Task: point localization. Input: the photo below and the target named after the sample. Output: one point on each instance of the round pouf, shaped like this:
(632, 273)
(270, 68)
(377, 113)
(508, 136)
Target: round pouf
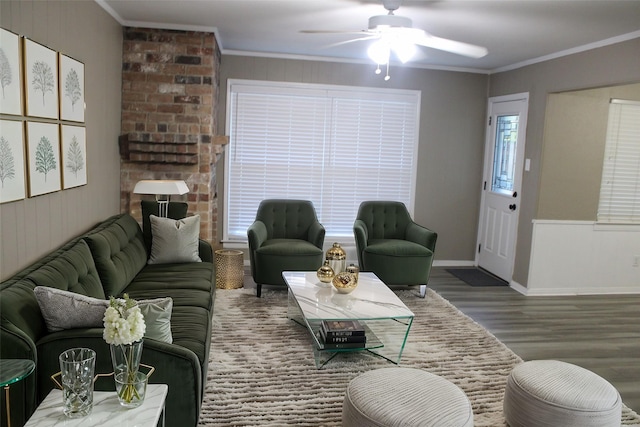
(404, 397)
(545, 393)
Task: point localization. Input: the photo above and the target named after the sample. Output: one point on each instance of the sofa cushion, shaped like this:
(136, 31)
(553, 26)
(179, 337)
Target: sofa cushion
(187, 284)
(288, 247)
(71, 270)
(174, 240)
(396, 247)
(68, 310)
(119, 253)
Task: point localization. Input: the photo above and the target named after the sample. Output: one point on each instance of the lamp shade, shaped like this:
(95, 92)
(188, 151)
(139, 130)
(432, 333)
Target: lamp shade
(161, 186)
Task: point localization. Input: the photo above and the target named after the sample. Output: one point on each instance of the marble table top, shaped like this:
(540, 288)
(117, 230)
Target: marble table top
(107, 411)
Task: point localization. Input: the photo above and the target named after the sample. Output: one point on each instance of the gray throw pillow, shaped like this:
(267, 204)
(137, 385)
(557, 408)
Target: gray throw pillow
(174, 240)
(157, 318)
(67, 310)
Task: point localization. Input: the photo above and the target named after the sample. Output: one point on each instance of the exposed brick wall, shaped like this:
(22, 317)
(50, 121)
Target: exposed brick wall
(170, 86)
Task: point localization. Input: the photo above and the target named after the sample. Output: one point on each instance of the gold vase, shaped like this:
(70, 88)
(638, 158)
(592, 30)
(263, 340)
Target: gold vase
(325, 272)
(337, 258)
(354, 270)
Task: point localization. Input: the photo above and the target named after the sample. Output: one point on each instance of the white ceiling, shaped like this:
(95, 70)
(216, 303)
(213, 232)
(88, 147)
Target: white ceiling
(515, 32)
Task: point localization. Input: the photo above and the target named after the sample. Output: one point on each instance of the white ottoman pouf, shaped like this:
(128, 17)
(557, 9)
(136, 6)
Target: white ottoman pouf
(546, 393)
(404, 397)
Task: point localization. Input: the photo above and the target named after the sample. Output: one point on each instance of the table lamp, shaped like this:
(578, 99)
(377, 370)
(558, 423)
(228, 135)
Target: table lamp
(162, 189)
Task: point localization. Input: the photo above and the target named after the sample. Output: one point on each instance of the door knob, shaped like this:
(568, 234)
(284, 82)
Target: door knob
(512, 207)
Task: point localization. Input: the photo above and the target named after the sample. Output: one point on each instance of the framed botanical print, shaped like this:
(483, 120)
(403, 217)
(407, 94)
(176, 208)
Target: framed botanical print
(71, 89)
(10, 73)
(43, 152)
(41, 80)
(12, 172)
(74, 156)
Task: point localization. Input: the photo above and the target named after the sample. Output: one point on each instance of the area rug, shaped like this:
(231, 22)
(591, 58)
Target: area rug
(262, 371)
(477, 277)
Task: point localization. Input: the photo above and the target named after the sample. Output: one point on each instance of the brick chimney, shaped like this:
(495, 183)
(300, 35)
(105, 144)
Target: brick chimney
(170, 86)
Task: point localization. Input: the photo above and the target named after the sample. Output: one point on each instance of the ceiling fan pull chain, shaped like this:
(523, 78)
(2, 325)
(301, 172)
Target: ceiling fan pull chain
(387, 77)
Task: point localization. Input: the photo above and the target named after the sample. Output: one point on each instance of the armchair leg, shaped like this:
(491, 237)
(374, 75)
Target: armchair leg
(423, 291)
(259, 290)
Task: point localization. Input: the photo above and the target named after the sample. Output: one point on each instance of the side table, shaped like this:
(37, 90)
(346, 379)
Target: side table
(229, 269)
(12, 371)
(107, 411)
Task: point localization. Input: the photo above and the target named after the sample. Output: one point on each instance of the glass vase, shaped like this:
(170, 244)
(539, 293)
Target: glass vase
(130, 384)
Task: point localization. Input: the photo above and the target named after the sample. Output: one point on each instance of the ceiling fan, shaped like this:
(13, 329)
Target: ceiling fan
(394, 33)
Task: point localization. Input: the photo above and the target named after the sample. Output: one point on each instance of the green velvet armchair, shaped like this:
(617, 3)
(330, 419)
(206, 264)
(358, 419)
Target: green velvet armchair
(286, 236)
(390, 244)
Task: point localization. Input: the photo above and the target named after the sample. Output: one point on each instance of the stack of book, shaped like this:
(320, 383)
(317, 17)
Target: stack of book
(342, 334)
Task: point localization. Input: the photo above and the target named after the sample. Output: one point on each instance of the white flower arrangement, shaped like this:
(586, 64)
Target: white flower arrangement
(123, 321)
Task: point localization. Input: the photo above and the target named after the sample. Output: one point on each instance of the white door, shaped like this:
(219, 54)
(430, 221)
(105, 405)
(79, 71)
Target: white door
(502, 184)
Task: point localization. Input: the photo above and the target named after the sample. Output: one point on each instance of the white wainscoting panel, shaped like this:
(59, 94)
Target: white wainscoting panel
(582, 257)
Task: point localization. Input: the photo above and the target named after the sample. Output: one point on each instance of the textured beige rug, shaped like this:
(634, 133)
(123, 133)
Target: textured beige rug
(262, 372)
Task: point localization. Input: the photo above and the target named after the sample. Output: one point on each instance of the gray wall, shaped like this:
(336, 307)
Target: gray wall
(35, 226)
(611, 65)
(453, 109)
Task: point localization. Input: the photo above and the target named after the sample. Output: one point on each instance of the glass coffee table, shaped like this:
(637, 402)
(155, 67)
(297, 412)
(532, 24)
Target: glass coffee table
(385, 318)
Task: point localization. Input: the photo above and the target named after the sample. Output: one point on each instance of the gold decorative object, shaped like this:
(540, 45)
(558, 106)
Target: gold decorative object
(325, 272)
(337, 258)
(229, 269)
(344, 282)
(353, 269)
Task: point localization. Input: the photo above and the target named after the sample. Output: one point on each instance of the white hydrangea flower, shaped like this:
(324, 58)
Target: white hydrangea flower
(123, 322)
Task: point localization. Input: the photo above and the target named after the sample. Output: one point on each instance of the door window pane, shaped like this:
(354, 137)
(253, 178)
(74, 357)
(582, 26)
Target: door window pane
(504, 154)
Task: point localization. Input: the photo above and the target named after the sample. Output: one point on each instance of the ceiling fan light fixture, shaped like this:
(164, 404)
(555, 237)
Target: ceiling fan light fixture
(379, 51)
(380, 22)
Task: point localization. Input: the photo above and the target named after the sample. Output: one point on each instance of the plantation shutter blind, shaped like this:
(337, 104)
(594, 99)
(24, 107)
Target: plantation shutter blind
(620, 188)
(333, 147)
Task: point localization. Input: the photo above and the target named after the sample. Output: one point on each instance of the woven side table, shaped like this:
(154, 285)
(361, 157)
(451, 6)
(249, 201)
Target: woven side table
(229, 269)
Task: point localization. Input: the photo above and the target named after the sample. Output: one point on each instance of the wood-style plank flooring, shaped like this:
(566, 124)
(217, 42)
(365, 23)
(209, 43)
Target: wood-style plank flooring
(598, 332)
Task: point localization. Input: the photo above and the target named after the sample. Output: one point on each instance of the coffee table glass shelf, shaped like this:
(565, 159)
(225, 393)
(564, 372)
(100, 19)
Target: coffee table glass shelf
(385, 318)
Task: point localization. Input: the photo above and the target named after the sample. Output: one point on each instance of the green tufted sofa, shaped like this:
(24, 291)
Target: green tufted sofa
(111, 259)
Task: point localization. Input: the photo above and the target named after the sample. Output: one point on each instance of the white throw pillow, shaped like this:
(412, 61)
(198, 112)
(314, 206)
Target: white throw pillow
(68, 310)
(174, 240)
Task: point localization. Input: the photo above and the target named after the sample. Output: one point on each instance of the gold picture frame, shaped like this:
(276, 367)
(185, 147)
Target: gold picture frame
(41, 80)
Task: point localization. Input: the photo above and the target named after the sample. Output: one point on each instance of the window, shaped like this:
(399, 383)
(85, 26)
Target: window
(620, 188)
(333, 145)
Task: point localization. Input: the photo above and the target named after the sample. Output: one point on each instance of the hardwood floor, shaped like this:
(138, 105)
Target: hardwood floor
(598, 332)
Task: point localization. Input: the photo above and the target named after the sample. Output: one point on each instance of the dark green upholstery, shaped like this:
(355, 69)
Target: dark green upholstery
(390, 244)
(285, 236)
(111, 259)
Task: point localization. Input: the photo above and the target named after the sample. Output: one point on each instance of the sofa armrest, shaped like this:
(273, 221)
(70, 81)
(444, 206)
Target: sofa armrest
(257, 234)
(205, 251)
(316, 234)
(421, 235)
(361, 233)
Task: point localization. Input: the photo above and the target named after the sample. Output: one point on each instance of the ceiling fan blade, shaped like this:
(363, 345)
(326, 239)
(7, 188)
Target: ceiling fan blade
(369, 37)
(333, 31)
(452, 46)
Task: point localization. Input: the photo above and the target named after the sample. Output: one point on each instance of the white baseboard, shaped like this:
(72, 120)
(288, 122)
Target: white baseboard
(453, 263)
